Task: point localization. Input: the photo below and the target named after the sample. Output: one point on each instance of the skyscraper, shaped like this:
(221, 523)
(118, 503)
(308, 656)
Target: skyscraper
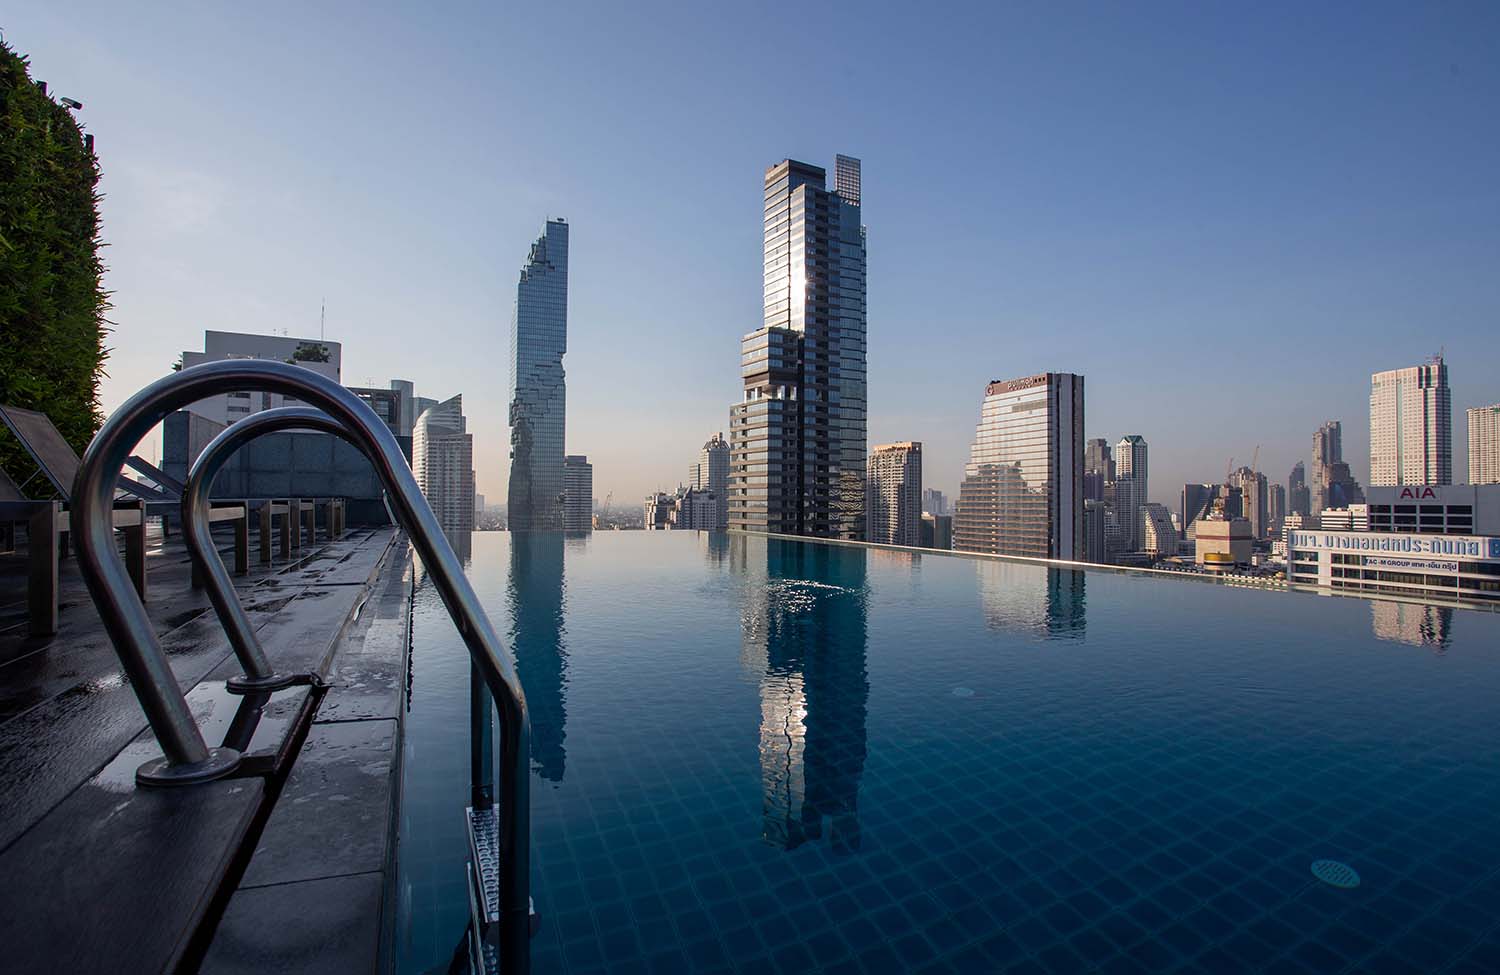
(1333, 485)
(578, 493)
(442, 457)
(1298, 498)
(1098, 468)
(1275, 508)
(1484, 444)
(894, 494)
(1158, 537)
(1022, 492)
(711, 473)
(1411, 425)
(934, 502)
(797, 438)
(538, 401)
(1254, 499)
(1130, 487)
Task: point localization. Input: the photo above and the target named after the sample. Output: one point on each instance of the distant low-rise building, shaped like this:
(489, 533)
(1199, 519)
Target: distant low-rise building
(1223, 544)
(319, 355)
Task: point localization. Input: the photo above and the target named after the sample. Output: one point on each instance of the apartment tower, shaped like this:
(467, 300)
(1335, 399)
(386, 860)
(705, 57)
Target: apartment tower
(1484, 444)
(893, 494)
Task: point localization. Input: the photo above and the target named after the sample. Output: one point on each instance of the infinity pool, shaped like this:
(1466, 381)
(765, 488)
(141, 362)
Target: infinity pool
(759, 755)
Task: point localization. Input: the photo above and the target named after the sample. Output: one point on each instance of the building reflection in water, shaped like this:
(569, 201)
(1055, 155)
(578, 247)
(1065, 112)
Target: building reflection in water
(714, 546)
(537, 634)
(463, 546)
(1413, 623)
(803, 635)
(1016, 596)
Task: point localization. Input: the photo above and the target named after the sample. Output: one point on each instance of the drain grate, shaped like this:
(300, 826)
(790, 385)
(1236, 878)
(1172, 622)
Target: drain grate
(1336, 874)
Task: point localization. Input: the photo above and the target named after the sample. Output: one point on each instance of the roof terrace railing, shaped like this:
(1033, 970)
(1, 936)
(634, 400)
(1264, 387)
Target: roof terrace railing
(186, 757)
(197, 530)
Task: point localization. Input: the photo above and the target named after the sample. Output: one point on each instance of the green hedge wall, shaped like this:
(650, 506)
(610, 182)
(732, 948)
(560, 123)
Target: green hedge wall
(52, 305)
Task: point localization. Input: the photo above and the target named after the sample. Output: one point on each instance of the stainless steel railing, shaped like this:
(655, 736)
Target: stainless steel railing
(197, 532)
(186, 757)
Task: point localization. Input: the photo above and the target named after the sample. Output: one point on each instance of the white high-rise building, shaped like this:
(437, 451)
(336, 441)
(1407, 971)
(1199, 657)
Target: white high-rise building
(442, 454)
(1484, 444)
(319, 355)
(893, 494)
(578, 493)
(1411, 425)
(1130, 487)
(711, 473)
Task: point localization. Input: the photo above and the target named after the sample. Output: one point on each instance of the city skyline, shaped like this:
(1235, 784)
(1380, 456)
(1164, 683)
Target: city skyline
(1365, 241)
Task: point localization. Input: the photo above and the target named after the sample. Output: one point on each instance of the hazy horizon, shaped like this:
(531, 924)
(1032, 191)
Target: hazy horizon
(1224, 219)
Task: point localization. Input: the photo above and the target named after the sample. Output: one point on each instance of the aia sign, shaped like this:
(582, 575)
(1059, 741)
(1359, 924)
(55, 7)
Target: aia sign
(1417, 493)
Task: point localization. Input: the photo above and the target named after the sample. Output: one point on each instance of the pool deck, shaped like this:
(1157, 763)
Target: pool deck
(284, 867)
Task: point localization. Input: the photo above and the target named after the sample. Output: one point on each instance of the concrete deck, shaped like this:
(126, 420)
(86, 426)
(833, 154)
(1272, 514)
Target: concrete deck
(282, 868)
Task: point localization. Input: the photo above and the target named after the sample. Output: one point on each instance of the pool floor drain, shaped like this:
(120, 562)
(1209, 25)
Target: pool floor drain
(963, 692)
(1335, 874)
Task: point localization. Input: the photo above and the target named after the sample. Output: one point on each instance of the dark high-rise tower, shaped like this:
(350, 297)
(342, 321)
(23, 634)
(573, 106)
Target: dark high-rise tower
(538, 400)
(798, 437)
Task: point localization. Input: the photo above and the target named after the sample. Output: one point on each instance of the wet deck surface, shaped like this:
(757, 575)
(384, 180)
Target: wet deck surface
(269, 871)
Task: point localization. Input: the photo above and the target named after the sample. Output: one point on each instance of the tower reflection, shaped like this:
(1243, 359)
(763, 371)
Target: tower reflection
(804, 632)
(537, 634)
(1014, 596)
(1419, 625)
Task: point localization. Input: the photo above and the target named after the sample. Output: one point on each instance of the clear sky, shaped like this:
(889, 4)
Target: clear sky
(1224, 216)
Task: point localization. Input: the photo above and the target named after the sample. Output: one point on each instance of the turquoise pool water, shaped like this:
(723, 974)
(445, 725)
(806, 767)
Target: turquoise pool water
(760, 755)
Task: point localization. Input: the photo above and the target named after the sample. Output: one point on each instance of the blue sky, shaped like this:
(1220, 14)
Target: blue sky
(1224, 216)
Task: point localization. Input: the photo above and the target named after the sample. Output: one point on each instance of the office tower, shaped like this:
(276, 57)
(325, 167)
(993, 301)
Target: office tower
(1095, 539)
(1253, 499)
(443, 462)
(320, 356)
(1484, 445)
(711, 474)
(1158, 537)
(538, 339)
(1411, 425)
(385, 402)
(1022, 492)
(936, 531)
(934, 502)
(578, 493)
(797, 438)
(1298, 498)
(893, 495)
(1130, 487)
(1197, 499)
(1275, 508)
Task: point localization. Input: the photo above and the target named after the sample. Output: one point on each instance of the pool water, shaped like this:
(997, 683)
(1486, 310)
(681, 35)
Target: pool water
(760, 755)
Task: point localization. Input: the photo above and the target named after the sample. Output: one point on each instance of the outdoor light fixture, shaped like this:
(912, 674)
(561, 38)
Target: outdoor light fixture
(72, 103)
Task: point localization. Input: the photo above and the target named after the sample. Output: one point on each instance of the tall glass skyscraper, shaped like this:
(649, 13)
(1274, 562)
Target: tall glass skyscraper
(798, 437)
(538, 400)
(1022, 492)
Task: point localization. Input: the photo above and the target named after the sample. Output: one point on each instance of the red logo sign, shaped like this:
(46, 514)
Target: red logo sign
(1420, 493)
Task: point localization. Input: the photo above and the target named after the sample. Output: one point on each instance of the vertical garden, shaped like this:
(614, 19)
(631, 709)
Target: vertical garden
(52, 303)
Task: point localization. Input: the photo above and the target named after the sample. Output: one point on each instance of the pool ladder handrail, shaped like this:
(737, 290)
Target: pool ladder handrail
(197, 532)
(187, 758)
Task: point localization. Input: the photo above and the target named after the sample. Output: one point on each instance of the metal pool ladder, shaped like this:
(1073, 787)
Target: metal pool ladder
(186, 757)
